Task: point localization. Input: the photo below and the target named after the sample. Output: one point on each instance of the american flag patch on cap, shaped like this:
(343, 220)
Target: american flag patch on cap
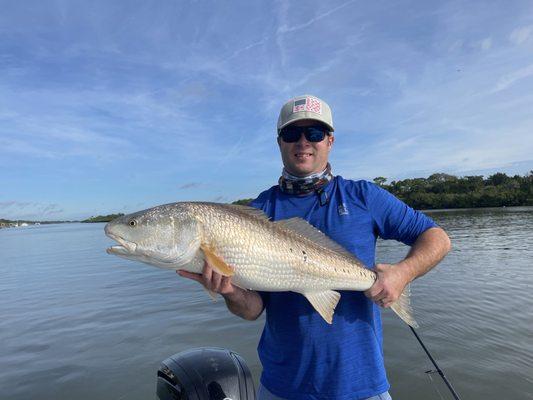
(310, 104)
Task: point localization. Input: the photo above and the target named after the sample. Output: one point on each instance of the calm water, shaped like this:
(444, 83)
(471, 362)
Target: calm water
(78, 323)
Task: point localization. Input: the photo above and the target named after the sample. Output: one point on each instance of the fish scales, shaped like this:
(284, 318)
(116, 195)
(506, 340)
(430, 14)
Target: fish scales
(277, 252)
(241, 242)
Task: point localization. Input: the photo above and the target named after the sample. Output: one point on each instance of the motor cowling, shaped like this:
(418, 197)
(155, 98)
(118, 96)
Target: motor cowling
(207, 373)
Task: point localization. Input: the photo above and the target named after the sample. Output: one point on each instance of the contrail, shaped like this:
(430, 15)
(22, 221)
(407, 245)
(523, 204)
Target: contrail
(283, 30)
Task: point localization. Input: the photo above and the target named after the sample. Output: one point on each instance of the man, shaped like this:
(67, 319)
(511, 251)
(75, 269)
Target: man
(302, 356)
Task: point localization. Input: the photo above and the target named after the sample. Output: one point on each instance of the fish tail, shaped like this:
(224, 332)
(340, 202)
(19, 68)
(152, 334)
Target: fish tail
(402, 307)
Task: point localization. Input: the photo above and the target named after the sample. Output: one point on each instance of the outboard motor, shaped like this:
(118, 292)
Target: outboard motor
(207, 373)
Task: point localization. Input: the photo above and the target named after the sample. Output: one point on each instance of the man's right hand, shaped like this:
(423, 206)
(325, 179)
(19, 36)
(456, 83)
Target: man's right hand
(244, 303)
(211, 280)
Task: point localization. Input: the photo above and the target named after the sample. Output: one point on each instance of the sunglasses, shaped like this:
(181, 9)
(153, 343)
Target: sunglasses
(291, 134)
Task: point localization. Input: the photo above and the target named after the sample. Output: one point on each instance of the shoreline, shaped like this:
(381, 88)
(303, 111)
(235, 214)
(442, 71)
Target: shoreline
(20, 223)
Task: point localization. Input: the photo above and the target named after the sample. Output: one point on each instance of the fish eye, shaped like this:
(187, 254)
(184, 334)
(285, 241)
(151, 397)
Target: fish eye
(133, 222)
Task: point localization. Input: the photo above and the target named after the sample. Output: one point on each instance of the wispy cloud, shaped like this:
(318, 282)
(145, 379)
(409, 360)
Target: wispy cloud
(486, 43)
(521, 35)
(250, 46)
(105, 105)
(287, 29)
(27, 210)
(191, 185)
(11, 203)
(511, 79)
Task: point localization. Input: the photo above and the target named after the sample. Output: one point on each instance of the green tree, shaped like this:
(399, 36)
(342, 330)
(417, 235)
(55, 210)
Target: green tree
(243, 202)
(380, 180)
(442, 190)
(498, 178)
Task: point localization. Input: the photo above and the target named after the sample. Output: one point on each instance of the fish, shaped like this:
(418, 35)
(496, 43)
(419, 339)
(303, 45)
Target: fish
(241, 242)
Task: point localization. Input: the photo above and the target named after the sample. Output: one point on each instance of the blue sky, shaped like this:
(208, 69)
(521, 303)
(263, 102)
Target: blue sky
(115, 106)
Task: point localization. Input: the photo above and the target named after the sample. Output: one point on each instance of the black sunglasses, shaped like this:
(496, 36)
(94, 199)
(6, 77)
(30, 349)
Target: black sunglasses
(291, 134)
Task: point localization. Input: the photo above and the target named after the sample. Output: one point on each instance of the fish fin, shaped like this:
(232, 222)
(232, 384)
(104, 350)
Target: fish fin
(218, 264)
(324, 303)
(240, 286)
(252, 211)
(212, 294)
(402, 307)
(305, 229)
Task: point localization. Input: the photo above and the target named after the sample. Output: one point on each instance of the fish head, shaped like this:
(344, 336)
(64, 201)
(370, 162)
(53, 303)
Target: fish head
(165, 236)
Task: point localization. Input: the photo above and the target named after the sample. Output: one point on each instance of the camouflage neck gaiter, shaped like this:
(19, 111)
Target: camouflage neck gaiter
(291, 184)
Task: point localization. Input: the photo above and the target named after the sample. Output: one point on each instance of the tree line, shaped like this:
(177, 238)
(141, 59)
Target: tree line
(103, 218)
(434, 192)
(448, 191)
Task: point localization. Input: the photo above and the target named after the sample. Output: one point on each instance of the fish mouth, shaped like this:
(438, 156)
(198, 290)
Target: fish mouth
(123, 247)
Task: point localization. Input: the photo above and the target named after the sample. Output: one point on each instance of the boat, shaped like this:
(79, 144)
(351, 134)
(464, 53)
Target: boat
(205, 373)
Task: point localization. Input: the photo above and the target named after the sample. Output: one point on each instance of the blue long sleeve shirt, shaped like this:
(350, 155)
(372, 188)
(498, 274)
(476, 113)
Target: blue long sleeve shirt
(303, 357)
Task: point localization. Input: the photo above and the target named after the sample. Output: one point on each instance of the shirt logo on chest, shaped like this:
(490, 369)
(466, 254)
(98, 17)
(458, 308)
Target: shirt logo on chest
(342, 209)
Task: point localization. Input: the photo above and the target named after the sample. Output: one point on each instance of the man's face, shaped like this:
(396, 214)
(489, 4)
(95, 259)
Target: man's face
(303, 158)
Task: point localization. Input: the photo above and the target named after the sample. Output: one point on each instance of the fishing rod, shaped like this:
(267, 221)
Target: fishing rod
(441, 373)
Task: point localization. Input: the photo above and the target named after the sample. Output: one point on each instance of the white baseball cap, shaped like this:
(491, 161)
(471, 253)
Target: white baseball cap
(305, 107)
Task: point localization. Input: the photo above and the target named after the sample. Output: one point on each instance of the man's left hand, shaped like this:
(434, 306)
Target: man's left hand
(389, 285)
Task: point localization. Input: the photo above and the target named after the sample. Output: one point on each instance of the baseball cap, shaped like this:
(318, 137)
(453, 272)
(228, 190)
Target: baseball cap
(305, 107)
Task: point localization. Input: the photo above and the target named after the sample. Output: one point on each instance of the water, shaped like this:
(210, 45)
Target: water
(78, 323)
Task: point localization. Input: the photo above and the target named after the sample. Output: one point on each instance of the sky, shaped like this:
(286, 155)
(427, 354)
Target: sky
(117, 106)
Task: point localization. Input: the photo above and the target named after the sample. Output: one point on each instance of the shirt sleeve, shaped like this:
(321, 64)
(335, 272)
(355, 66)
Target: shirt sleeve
(393, 218)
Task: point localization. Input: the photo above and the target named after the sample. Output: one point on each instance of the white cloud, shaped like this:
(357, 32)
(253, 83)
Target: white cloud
(510, 79)
(486, 44)
(238, 52)
(14, 210)
(127, 98)
(521, 35)
(286, 29)
(23, 148)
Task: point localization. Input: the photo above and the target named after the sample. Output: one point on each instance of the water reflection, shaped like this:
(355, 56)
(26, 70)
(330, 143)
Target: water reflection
(75, 320)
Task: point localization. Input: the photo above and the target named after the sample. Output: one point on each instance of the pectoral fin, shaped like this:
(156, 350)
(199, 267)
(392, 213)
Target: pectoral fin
(324, 303)
(402, 307)
(217, 262)
(212, 294)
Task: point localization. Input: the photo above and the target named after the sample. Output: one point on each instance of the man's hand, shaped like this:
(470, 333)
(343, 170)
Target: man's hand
(427, 251)
(211, 280)
(244, 303)
(389, 285)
